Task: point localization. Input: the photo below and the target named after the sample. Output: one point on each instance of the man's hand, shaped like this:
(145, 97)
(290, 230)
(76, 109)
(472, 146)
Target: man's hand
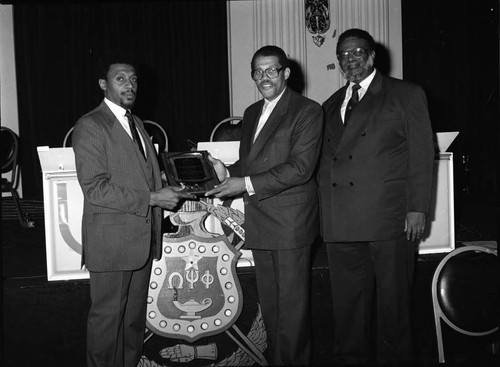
(219, 167)
(414, 225)
(169, 197)
(231, 186)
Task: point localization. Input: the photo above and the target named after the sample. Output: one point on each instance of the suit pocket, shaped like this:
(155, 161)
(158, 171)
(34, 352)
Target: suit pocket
(110, 218)
(389, 115)
(292, 199)
(395, 195)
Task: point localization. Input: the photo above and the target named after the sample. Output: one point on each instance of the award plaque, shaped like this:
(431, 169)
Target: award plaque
(192, 170)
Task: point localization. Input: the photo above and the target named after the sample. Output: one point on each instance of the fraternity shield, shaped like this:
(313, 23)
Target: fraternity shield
(193, 291)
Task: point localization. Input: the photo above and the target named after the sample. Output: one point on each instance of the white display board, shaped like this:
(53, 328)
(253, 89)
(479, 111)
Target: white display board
(440, 232)
(63, 208)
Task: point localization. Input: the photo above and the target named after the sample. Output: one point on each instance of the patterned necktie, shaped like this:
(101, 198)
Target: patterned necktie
(352, 102)
(135, 134)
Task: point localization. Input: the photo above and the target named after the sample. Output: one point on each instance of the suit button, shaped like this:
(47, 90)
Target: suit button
(334, 184)
(245, 202)
(351, 183)
(266, 159)
(148, 221)
(363, 133)
(334, 159)
(350, 156)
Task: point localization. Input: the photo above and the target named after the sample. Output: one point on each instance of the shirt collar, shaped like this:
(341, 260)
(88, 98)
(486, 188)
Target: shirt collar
(117, 110)
(274, 101)
(365, 83)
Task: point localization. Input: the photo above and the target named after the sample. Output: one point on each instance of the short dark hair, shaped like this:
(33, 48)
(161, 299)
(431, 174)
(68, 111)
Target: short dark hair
(114, 57)
(356, 33)
(271, 50)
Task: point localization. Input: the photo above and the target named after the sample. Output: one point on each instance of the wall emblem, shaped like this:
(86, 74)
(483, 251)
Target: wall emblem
(317, 19)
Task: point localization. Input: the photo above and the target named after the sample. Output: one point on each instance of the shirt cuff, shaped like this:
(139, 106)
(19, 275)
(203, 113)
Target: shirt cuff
(249, 186)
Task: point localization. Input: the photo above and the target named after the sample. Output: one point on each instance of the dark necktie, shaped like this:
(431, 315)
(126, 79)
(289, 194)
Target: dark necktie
(352, 102)
(135, 134)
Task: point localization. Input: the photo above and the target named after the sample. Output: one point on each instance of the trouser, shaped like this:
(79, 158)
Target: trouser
(365, 275)
(117, 317)
(283, 283)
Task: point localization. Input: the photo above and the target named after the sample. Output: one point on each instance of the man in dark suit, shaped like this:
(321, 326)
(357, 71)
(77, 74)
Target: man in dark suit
(279, 147)
(121, 227)
(375, 180)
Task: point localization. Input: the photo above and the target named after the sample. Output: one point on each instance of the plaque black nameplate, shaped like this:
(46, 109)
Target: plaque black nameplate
(192, 170)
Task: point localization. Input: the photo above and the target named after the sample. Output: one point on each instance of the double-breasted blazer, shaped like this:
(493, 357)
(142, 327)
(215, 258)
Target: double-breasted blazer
(378, 168)
(283, 213)
(119, 228)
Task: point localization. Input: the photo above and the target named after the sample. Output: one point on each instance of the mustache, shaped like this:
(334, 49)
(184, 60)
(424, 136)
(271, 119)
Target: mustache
(265, 82)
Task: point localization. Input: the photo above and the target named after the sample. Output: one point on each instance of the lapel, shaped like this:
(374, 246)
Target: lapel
(148, 166)
(250, 121)
(361, 118)
(126, 143)
(337, 125)
(270, 126)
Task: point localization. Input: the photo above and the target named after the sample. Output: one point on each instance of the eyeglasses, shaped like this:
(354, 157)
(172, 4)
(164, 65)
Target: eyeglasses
(357, 53)
(271, 73)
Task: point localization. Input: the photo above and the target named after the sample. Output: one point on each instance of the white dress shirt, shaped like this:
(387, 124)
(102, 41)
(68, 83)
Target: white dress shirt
(119, 113)
(266, 112)
(361, 92)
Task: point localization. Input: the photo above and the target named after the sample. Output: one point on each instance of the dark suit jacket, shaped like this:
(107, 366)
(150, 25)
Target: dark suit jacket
(119, 228)
(283, 213)
(380, 166)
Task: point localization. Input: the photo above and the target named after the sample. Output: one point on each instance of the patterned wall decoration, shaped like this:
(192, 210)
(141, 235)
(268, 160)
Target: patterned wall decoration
(317, 19)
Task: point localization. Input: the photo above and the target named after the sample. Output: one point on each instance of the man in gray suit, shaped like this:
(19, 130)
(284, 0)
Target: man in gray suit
(279, 148)
(119, 175)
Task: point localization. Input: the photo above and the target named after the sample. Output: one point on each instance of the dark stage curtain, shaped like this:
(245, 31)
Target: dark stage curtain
(181, 48)
(454, 55)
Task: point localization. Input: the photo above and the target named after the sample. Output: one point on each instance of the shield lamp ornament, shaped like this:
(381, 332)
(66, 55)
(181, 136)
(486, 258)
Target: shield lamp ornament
(317, 13)
(193, 291)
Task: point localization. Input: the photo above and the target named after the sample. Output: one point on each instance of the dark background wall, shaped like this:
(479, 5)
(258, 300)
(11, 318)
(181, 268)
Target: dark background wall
(180, 46)
(451, 48)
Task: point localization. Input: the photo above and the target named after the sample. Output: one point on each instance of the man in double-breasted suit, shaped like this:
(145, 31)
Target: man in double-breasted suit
(121, 227)
(279, 147)
(375, 180)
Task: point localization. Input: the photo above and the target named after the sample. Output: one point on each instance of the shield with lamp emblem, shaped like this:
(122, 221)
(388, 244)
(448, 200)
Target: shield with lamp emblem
(194, 291)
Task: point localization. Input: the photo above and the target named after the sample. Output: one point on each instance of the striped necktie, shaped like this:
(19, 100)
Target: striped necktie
(135, 135)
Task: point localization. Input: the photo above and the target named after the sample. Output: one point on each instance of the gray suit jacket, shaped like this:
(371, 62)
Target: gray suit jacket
(119, 228)
(283, 213)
